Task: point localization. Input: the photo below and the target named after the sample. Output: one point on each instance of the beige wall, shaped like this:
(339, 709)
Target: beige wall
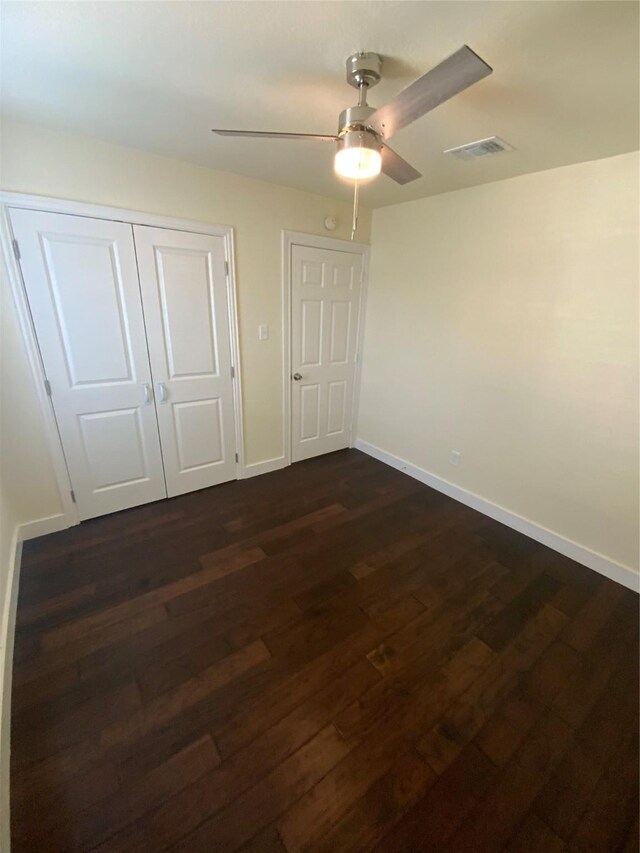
(7, 555)
(9, 520)
(28, 491)
(26, 471)
(35, 160)
(502, 322)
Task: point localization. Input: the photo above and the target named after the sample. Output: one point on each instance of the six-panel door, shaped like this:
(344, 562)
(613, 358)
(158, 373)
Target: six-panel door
(325, 303)
(184, 292)
(82, 285)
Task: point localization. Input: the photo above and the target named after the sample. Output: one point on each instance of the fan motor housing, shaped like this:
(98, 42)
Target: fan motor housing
(354, 117)
(359, 137)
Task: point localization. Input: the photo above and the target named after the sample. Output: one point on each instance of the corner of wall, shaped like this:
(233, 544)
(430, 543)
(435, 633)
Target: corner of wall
(617, 572)
(11, 557)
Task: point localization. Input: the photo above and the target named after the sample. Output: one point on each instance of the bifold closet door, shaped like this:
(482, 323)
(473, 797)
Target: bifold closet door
(82, 286)
(184, 293)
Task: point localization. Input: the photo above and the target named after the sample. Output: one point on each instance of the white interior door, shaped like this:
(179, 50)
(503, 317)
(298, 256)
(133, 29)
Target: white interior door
(184, 292)
(325, 305)
(82, 286)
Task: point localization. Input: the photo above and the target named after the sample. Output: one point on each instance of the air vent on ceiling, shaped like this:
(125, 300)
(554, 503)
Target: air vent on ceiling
(481, 148)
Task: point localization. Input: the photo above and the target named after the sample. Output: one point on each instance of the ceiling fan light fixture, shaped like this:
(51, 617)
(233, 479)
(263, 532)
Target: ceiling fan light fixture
(358, 163)
(358, 156)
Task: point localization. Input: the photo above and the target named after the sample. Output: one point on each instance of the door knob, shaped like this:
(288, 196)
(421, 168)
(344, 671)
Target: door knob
(297, 376)
(147, 393)
(162, 391)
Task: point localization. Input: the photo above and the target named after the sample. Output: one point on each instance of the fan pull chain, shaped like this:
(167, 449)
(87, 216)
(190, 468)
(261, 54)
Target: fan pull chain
(354, 221)
(356, 186)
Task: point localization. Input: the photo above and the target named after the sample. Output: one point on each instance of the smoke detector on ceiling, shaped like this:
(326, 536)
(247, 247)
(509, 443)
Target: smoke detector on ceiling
(481, 148)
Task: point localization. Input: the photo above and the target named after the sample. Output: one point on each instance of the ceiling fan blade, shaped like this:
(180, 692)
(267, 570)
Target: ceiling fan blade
(268, 135)
(459, 71)
(396, 168)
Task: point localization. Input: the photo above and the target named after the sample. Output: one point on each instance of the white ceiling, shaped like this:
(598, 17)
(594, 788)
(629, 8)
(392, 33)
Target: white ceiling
(159, 75)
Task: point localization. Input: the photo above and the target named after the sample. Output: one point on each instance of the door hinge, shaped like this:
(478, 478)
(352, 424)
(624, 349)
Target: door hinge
(73, 496)
(226, 268)
(47, 387)
(16, 249)
(233, 372)
(236, 457)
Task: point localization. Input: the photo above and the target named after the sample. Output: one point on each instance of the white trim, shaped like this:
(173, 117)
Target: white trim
(591, 559)
(7, 636)
(266, 467)
(357, 378)
(42, 526)
(319, 241)
(232, 293)
(47, 204)
(73, 208)
(287, 238)
(315, 241)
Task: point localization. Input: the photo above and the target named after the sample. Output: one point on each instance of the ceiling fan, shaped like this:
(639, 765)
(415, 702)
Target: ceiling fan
(363, 131)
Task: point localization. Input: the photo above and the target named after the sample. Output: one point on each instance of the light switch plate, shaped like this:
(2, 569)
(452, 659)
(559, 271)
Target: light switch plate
(263, 332)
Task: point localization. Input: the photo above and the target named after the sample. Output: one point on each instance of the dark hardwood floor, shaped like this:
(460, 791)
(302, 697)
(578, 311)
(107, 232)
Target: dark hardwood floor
(331, 657)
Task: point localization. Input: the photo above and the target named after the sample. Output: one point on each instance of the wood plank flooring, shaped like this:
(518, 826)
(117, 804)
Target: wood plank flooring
(332, 657)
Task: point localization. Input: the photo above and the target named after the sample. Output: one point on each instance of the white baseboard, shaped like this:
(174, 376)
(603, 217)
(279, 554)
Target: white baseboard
(7, 632)
(265, 467)
(42, 526)
(614, 571)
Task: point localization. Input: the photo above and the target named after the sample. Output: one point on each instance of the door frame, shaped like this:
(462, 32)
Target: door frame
(8, 200)
(315, 241)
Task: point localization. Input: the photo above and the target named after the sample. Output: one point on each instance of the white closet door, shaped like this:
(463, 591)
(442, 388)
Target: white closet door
(184, 291)
(325, 303)
(82, 285)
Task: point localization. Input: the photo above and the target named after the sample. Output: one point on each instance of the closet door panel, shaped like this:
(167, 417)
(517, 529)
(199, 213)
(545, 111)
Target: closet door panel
(82, 287)
(184, 292)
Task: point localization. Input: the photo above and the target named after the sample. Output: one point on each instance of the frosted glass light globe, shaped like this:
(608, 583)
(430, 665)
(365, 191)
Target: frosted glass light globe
(358, 163)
